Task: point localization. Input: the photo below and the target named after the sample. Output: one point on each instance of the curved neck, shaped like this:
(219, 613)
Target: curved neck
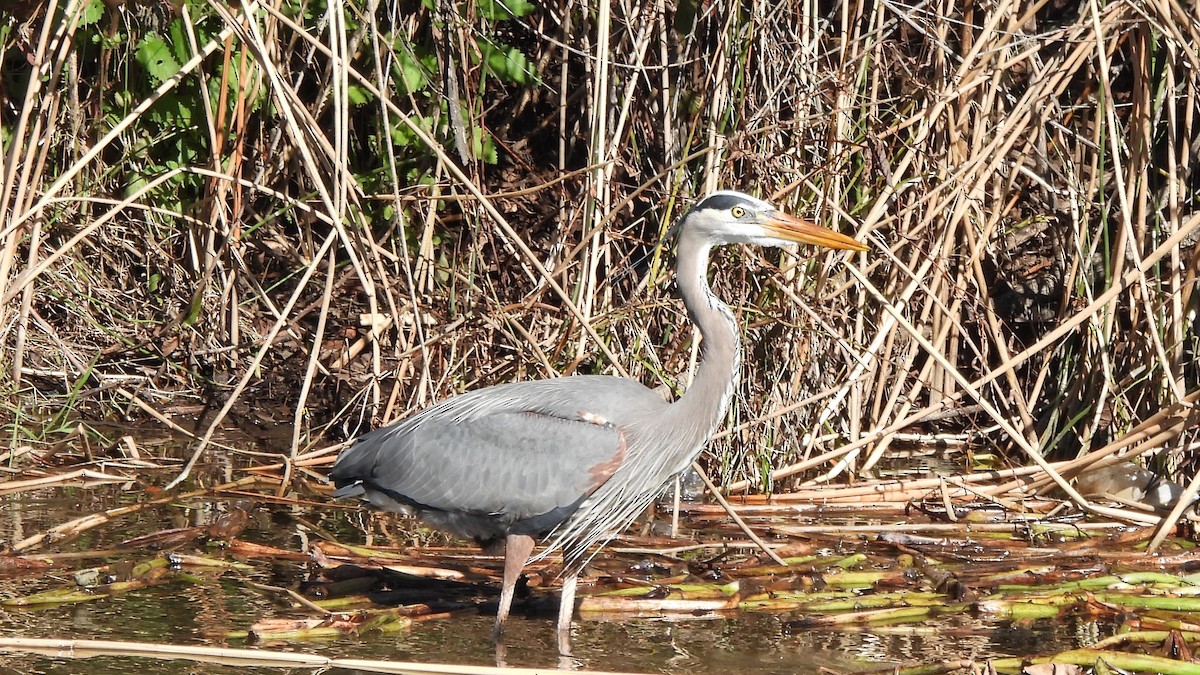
(704, 403)
(661, 444)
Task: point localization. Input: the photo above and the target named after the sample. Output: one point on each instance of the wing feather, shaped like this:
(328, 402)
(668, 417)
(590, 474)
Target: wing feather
(511, 452)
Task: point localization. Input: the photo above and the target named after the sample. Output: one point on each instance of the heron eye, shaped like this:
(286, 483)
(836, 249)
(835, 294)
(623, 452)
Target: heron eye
(738, 212)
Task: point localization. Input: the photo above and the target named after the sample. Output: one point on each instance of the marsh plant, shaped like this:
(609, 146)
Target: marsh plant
(334, 211)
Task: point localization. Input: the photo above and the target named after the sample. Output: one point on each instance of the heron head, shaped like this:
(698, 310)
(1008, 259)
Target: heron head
(729, 217)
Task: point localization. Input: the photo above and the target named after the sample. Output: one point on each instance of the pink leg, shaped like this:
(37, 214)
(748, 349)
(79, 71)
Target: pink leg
(517, 548)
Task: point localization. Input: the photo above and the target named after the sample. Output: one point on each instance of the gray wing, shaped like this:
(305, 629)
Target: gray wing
(513, 453)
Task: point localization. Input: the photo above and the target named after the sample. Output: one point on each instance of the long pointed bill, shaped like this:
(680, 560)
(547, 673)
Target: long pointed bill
(790, 228)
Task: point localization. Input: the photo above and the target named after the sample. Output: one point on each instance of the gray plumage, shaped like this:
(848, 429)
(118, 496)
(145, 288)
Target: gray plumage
(513, 458)
(574, 458)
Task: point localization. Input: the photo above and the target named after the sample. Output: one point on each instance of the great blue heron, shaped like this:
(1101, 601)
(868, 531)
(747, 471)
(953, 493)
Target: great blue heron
(576, 458)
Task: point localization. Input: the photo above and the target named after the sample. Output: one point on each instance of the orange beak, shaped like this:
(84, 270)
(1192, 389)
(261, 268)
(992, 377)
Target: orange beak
(790, 228)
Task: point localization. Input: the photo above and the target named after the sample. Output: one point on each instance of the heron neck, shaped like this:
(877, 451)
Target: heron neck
(704, 403)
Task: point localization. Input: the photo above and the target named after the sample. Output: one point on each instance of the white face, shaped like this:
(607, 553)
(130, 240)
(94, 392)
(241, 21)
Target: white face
(731, 217)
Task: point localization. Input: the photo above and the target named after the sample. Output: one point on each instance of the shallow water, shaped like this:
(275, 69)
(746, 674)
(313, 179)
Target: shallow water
(205, 612)
(745, 644)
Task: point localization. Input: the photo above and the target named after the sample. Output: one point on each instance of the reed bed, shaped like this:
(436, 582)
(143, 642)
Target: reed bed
(329, 213)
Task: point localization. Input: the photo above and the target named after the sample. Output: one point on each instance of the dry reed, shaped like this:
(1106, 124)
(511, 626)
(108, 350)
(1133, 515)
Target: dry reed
(374, 214)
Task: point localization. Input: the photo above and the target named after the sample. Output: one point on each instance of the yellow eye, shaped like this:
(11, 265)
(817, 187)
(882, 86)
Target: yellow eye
(738, 212)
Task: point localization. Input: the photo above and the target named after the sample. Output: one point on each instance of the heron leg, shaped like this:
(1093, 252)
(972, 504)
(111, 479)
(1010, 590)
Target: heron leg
(565, 610)
(517, 548)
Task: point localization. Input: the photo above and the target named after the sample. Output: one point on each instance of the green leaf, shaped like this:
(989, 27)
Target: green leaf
(411, 69)
(483, 145)
(179, 41)
(404, 137)
(412, 78)
(359, 94)
(136, 182)
(155, 56)
(174, 111)
(92, 13)
(502, 10)
(507, 63)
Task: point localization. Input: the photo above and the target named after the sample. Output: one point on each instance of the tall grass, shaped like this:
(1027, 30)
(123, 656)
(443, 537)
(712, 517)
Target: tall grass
(348, 210)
